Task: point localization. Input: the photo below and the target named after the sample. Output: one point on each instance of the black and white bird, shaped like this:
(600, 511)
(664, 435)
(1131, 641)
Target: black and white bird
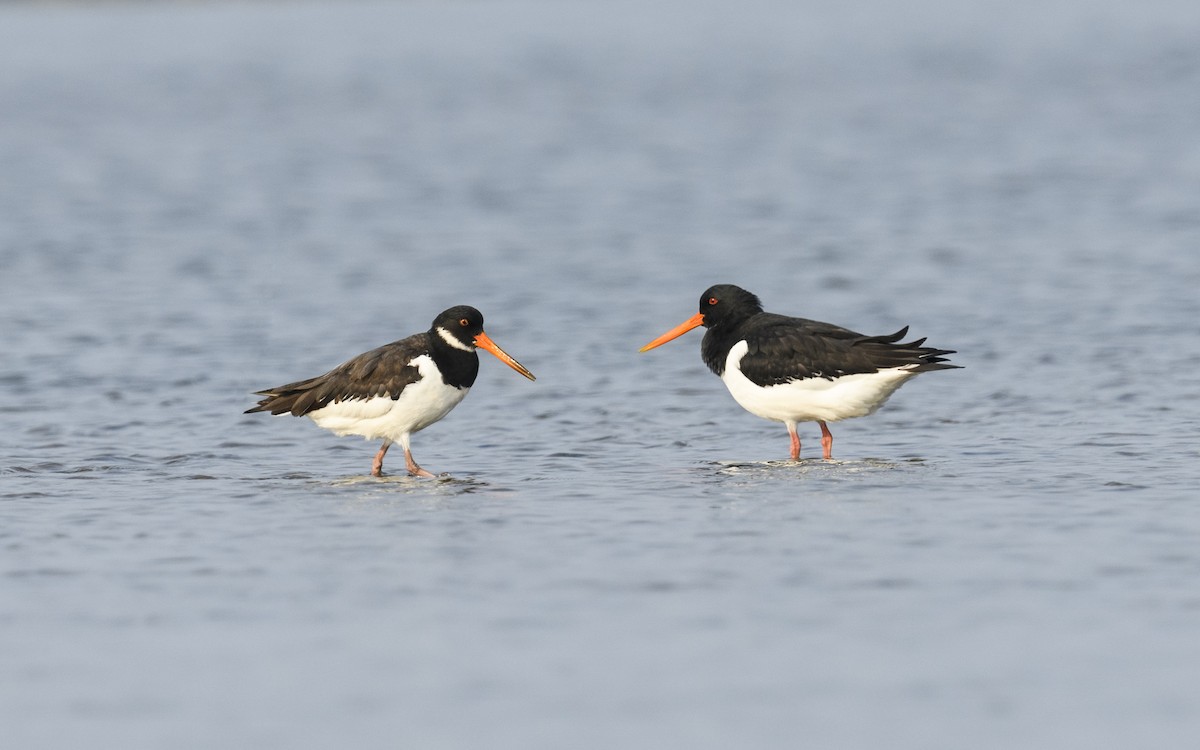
(795, 370)
(395, 390)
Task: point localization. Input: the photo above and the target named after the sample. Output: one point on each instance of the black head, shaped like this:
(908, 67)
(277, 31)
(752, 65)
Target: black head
(461, 324)
(461, 327)
(721, 306)
(726, 304)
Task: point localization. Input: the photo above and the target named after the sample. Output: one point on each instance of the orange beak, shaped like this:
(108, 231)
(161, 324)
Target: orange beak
(695, 321)
(483, 342)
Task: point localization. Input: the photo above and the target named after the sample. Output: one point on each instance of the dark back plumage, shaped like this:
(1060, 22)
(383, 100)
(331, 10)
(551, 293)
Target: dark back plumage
(782, 348)
(386, 370)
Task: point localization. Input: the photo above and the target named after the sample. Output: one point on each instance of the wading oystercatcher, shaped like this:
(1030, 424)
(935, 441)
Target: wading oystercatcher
(794, 370)
(397, 389)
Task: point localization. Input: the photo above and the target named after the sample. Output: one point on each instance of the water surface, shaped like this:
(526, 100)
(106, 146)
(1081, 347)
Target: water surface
(203, 200)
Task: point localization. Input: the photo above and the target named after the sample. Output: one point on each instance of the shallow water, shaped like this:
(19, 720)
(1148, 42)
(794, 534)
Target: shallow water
(201, 201)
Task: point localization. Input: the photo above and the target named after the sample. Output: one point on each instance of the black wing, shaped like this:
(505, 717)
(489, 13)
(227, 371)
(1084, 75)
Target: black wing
(783, 349)
(380, 372)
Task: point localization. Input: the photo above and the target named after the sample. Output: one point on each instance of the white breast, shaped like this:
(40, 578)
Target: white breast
(420, 404)
(811, 399)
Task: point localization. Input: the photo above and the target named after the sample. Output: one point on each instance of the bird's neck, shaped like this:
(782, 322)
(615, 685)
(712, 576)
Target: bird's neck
(459, 368)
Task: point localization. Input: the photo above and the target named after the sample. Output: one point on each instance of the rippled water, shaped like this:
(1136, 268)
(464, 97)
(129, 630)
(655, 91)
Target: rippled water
(200, 201)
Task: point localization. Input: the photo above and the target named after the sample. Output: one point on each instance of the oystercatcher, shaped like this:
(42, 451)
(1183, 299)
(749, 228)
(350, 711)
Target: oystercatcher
(397, 389)
(794, 370)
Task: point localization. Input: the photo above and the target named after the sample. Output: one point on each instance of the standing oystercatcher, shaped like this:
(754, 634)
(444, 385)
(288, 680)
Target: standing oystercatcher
(796, 370)
(397, 389)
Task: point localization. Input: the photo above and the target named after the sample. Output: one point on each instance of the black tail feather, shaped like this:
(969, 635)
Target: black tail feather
(887, 351)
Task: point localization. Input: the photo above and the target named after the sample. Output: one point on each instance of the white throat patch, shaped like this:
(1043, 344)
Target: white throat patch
(453, 341)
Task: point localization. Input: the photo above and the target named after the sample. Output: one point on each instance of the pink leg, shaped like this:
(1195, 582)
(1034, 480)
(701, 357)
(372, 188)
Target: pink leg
(795, 441)
(826, 441)
(413, 469)
(377, 466)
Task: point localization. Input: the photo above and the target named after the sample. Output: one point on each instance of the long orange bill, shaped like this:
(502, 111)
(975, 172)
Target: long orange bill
(483, 342)
(695, 321)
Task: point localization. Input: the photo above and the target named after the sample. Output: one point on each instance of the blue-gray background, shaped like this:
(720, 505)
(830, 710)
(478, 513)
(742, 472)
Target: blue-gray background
(197, 201)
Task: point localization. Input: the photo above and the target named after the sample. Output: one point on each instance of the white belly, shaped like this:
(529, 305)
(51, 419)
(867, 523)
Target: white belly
(420, 405)
(812, 399)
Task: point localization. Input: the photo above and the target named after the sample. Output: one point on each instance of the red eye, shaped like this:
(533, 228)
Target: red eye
(712, 301)
(464, 322)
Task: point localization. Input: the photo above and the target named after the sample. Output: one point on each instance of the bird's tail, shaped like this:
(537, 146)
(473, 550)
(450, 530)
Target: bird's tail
(913, 356)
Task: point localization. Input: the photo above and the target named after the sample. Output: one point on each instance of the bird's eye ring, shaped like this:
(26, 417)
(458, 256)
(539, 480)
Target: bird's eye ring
(464, 322)
(712, 301)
